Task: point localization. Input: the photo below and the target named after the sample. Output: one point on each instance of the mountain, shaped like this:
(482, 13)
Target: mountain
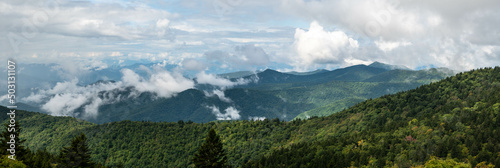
(274, 95)
(422, 76)
(452, 121)
(238, 74)
(307, 73)
(193, 105)
(387, 66)
(456, 118)
(355, 73)
(390, 81)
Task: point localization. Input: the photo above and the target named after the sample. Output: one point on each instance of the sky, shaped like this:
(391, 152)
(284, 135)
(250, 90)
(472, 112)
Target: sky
(233, 35)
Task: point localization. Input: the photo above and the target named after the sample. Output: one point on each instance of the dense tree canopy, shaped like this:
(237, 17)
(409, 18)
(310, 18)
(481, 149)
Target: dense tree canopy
(454, 121)
(210, 154)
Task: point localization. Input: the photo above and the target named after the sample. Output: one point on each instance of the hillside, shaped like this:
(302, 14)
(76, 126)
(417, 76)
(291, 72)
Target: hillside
(457, 118)
(388, 82)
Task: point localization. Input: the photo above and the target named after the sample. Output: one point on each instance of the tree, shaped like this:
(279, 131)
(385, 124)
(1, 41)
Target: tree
(6, 162)
(11, 134)
(77, 155)
(210, 154)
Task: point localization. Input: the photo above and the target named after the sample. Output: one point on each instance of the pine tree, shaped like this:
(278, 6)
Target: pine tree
(77, 155)
(5, 137)
(210, 154)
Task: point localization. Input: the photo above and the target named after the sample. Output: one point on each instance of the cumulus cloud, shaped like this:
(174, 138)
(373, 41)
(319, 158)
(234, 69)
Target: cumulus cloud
(70, 99)
(163, 83)
(318, 46)
(413, 33)
(231, 113)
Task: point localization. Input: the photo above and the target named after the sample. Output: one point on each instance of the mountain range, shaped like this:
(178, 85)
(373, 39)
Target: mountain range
(271, 94)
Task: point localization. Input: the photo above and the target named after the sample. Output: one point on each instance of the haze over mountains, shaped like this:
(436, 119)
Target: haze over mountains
(154, 94)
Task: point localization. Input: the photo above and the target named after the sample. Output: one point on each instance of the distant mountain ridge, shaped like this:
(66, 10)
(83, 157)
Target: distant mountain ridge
(274, 95)
(387, 66)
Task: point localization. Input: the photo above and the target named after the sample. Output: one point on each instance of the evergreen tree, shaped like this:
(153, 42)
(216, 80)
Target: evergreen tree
(77, 155)
(5, 138)
(210, 154)
(41, 159)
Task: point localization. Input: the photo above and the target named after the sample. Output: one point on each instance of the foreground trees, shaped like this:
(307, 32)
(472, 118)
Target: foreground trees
(210, 154)
(76, 155)
(10, 138)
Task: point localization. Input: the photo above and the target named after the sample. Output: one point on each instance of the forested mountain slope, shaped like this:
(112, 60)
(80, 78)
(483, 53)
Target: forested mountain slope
(457, 118)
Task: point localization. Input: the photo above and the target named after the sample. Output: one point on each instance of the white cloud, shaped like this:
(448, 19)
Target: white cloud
(65, 98)
(219, 93)
(387, 46)
(414, 33)
(242, 56)
(318, 46)
(163, 83)
(252, 55)
(211, 79)
(231, 113)
(192, 64)
(256, 118)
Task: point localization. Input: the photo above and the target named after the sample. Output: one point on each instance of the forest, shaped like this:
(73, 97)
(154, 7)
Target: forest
(451, 123)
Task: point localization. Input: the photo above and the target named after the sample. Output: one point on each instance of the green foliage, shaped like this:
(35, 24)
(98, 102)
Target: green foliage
(42, 159)
(6, 162)
(448, 163)
(9, 135)
(77, 155)
(456, 118)
(210, 154)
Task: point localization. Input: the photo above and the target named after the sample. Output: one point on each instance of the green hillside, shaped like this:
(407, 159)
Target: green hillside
(456, 118)
(453, 120)
(388, 82)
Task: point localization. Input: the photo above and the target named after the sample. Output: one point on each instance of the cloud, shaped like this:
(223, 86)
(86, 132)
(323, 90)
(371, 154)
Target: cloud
(318, 46)
(88, 19)
(412, 33)
(245, 55)
(214, 80)
(256, 118)
(66, 97)
(231, 113)
(192, 64)
(219, 93)
(70, 99)
(252, 55)
(162, 82)
(222, 84)
(387, 46)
